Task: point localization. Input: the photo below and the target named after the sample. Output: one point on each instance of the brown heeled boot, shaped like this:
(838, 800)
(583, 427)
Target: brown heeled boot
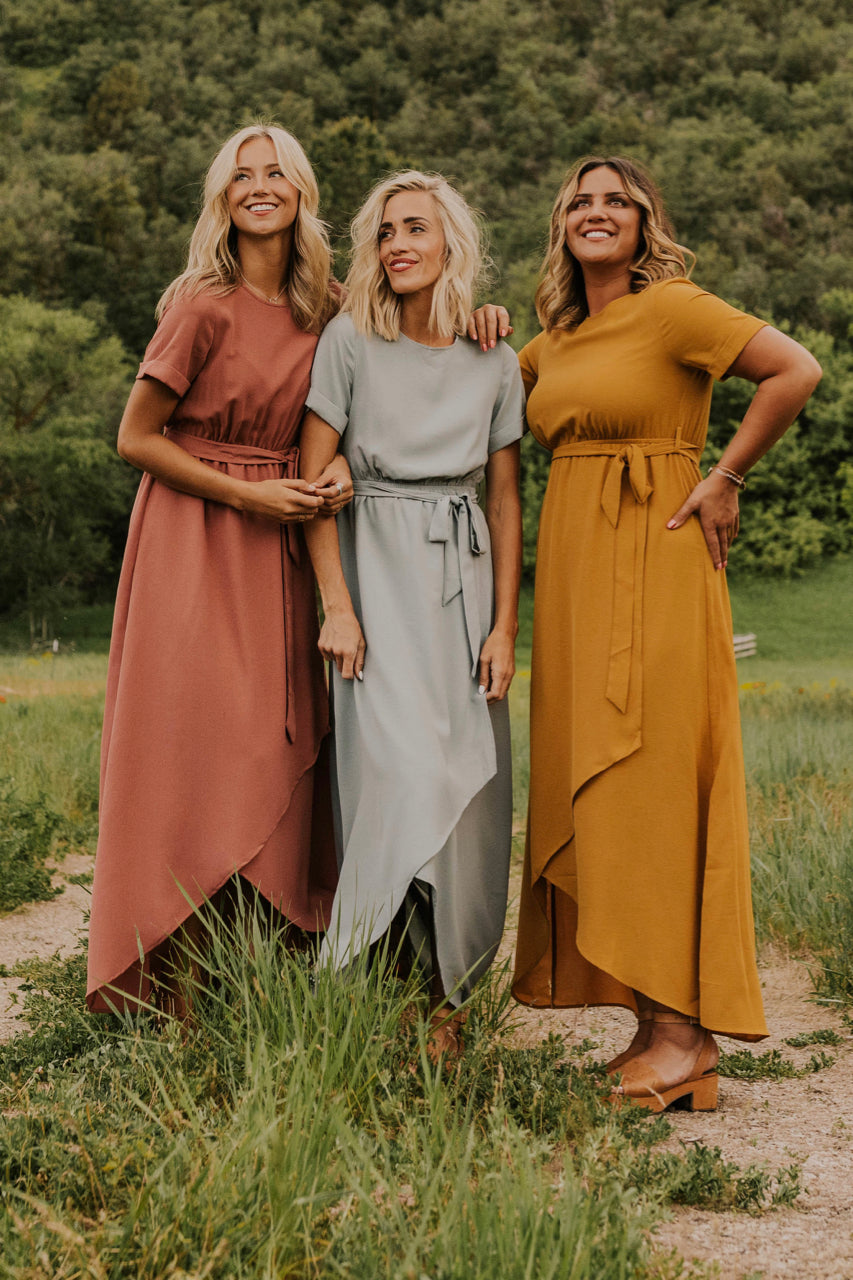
(642, 1084)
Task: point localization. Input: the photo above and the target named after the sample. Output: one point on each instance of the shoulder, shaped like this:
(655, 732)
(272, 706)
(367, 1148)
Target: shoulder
(678, 295)
(532, 350)
(340, 332)
(202, 310)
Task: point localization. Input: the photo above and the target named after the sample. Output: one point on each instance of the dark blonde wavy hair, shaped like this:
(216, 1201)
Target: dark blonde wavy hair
(561, 297)
(212, 262)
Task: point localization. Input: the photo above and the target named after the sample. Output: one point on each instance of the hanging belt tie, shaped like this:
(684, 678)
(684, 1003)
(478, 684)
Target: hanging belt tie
(627, 458)
(249, 455)
(454, 523)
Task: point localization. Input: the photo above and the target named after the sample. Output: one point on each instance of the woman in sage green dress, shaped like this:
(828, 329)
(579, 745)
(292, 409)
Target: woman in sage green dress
(419, 588)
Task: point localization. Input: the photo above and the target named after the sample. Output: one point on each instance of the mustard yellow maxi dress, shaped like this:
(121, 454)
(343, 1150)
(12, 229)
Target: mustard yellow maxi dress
(637, 864)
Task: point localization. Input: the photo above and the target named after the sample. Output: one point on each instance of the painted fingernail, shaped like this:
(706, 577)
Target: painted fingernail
(360, 675)
(670, 524)
(503, 333)
(491, 344)
(482, 689)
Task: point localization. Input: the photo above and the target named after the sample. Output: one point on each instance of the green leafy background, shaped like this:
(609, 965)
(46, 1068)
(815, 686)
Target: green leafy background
(113, 108)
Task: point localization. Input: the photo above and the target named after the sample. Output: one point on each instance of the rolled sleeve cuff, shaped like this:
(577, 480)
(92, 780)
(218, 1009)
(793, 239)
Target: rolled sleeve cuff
(324, 409)
(165, 373)
(508, 435)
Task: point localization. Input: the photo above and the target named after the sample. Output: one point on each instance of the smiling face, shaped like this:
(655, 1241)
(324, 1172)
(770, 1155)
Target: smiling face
(411, 242)
(603, 222)
(261, 201)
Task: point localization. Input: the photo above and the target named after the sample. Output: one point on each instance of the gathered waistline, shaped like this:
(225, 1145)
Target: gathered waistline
(419, 490)
(649, 448)
(248, 455)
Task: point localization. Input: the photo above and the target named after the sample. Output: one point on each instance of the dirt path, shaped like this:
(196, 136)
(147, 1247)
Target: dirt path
(773, 1123)
(39, 930)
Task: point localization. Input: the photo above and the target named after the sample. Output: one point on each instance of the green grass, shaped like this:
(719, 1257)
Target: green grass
(298, 1129)
(804, 626)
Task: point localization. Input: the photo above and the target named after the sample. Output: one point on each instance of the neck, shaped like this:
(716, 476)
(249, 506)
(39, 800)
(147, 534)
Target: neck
(603, 286)
(264, 262)
(415, 320)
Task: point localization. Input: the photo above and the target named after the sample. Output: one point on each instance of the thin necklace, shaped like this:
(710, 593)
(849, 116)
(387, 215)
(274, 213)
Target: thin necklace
(260, 292)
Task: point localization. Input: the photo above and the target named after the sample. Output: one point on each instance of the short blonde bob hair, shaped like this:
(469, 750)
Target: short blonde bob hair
(212, 262)
(561, 297)
(373, 304)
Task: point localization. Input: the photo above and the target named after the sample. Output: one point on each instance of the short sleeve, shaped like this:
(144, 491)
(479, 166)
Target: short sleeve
(330, 396)
(508, 412)
(699, 329)
(180, 346)
(528, 360)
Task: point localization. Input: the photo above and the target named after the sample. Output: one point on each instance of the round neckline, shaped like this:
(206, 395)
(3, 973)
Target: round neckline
(622, 297)
(611, 303)
(424, 346)
(284, 305)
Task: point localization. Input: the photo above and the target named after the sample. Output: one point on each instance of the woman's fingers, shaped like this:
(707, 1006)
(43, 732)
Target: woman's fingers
(487, 324)
(496, 668)
(334, 484)
(342, 642)
(715, 502)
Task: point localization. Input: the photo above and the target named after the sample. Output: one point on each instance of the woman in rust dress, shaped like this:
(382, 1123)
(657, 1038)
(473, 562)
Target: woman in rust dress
(636, 888)
(216, 705)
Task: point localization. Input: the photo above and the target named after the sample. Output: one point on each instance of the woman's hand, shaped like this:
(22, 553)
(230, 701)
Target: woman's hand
(334, 486)
(786, 375)
(342, 642)
(715, 502)
(497, 665)
(487, 324)
(287, 501)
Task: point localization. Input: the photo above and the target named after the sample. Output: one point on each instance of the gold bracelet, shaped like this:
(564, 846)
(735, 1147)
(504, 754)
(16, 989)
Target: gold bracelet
(730, 475)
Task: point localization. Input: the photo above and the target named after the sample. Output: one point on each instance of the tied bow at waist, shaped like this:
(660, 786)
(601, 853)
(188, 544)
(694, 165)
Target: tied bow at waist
(454, 523)
(250, 455)
(627, 457)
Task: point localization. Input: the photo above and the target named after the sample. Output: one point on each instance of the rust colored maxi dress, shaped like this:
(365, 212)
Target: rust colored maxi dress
(216, 703)
(637, 862)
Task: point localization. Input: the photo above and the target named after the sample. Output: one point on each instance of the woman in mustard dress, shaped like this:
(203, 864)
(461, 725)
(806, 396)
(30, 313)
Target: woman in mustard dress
(636, 888)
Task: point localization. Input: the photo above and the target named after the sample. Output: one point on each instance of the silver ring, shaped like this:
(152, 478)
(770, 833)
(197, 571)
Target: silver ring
(340, 490)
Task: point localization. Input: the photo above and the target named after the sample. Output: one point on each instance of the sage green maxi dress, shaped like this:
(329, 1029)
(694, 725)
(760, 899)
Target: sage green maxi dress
(422, 762)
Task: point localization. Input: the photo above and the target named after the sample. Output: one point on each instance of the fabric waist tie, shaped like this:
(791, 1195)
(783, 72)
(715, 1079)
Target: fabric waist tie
(626, 457)
(250, 455)
(455, 505)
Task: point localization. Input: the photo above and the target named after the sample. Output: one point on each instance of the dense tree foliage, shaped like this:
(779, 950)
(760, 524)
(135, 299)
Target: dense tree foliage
(742, 109)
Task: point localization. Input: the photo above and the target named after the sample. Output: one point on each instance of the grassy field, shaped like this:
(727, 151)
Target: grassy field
(298, 1128)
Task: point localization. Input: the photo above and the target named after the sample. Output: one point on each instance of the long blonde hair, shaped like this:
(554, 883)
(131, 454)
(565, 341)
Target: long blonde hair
(212, 260)
(561, 296)
(373, 304)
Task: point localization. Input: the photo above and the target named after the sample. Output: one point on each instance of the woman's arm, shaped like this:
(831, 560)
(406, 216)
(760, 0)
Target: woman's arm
(341, 640)
(786, 375)
(503, 514)
(142, 443)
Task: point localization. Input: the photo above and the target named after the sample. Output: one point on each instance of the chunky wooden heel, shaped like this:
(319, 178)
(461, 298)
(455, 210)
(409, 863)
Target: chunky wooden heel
(642, 1086)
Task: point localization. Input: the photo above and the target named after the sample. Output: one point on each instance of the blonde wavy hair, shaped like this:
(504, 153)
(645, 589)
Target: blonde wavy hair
(373, 304)
(561, 297)
(212, 261)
